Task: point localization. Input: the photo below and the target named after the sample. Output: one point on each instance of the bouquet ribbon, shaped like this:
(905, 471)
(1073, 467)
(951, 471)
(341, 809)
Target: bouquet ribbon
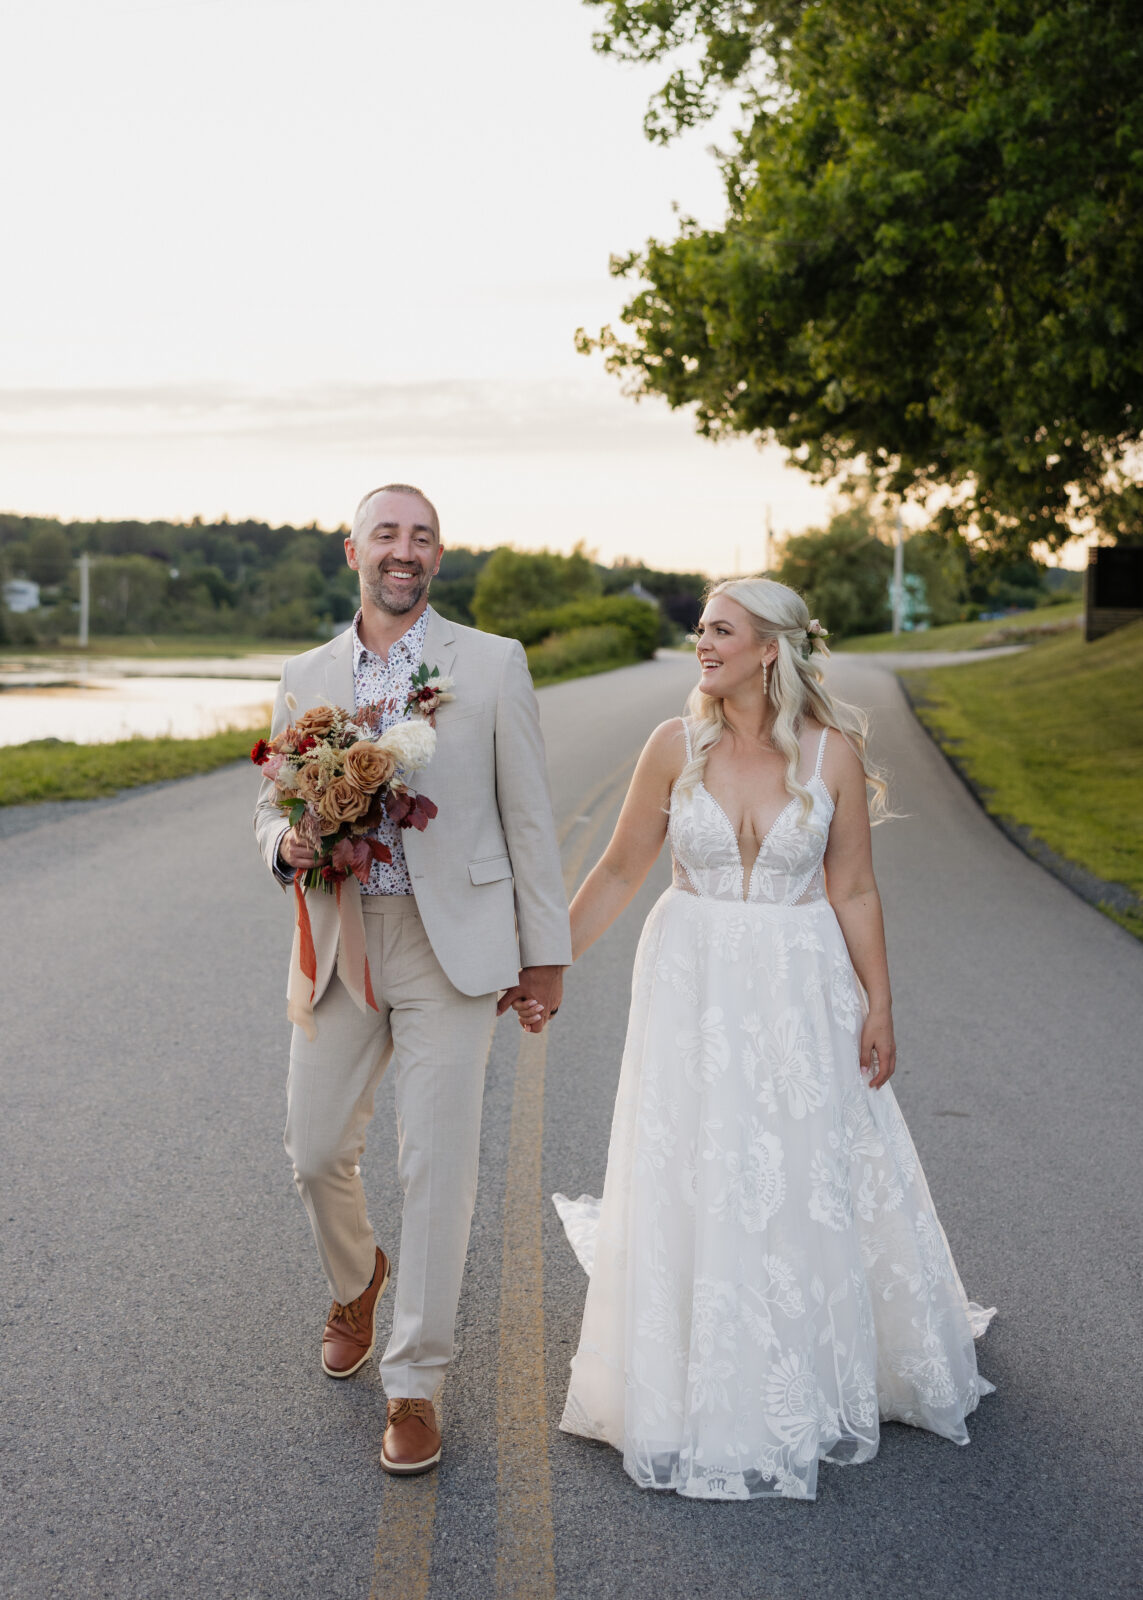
(352, 959)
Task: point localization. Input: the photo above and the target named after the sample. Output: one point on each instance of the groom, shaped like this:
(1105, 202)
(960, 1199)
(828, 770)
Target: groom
(472, 906)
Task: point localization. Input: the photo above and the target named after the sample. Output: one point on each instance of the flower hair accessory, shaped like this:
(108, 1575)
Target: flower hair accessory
(816, 637)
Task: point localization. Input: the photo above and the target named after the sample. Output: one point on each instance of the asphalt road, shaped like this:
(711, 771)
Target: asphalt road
(166, 1427)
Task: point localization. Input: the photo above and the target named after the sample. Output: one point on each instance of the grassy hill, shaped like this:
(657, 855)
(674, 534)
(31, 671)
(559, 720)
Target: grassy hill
(1053, 741)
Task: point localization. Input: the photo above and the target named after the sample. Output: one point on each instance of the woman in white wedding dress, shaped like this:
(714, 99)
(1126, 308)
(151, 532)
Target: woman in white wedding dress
(768, 1277)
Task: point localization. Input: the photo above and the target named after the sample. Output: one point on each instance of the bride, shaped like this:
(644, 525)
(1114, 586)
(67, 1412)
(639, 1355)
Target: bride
(768, 1276)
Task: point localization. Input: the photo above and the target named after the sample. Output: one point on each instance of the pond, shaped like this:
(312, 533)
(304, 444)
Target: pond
(93, 702)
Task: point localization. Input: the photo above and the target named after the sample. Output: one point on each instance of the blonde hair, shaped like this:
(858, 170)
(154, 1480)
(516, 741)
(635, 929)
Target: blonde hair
(796, 691)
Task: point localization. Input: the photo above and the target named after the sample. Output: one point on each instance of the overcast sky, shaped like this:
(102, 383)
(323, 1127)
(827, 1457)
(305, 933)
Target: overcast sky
(261, 255)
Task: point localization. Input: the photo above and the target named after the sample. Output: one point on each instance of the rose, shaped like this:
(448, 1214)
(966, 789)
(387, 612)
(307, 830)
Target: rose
(318, 722)
(367, 767)
(342, 802)
(308, 781)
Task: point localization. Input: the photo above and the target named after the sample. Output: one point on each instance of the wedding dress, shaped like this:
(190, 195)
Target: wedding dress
(767, 1274)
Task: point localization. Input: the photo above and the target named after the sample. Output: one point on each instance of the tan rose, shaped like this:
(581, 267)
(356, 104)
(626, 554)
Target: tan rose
(342, 802)
(367, 768)
(308, 781)
(317, 722)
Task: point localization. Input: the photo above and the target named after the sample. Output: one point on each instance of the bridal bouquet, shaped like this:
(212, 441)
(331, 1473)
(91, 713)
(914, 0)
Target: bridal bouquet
(337, 778)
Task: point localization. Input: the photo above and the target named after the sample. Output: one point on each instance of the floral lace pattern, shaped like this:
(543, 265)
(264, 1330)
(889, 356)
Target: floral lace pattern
(768, 1277)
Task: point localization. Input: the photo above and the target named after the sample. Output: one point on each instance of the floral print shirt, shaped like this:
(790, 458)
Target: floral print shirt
(377, 679)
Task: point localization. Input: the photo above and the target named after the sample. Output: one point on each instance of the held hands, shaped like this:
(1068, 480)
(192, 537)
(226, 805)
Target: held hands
(535, 998)
(878, 1049)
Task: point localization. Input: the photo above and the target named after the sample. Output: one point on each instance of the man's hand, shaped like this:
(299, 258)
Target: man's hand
(294, 852)
(535, 998)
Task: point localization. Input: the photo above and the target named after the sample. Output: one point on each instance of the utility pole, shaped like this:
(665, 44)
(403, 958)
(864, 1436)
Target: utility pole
(768, 546)
(898, 572)
(84, 598)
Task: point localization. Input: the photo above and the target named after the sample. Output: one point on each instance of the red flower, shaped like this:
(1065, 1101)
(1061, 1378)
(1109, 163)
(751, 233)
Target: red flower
(306, 744)
(260, 752)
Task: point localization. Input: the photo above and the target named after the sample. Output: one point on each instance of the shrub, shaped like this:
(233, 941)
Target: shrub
(636, 617)
(581, 650)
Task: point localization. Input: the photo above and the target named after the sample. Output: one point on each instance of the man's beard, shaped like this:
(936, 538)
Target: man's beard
(395, 598)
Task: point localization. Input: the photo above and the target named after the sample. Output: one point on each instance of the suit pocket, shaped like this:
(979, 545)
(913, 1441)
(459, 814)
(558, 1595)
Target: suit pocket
(490, 870)
(450, 713)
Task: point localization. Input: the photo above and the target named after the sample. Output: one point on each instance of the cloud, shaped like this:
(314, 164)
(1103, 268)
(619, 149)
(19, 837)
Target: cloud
(459, 416)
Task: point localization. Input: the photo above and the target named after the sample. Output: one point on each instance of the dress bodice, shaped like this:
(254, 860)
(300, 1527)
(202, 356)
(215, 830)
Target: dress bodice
(788, 868)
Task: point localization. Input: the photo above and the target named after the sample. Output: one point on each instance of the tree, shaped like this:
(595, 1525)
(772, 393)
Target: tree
(513, 583)
(842, 572)
(932, 262)
(49, 557)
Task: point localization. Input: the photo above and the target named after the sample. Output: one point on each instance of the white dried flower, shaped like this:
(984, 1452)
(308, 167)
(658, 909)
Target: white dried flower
(411, 743)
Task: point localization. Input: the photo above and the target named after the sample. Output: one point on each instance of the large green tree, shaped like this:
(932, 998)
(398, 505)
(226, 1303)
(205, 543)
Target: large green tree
(932, 261)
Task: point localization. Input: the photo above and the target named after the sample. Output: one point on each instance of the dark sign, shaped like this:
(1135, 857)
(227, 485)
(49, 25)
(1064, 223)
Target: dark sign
(1118, 577)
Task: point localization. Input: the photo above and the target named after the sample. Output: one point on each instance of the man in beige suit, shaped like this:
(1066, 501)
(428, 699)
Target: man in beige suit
(472, 906)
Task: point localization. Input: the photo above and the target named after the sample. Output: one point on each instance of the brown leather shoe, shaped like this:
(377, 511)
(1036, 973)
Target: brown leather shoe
(349, 1336)
(412, 1441)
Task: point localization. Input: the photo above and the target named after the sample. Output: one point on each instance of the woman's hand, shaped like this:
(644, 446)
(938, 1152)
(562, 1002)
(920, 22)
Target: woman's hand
(878, 1048)
(530, 1014)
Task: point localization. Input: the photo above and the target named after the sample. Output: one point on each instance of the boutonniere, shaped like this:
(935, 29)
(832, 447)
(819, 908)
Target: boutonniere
(427, 693)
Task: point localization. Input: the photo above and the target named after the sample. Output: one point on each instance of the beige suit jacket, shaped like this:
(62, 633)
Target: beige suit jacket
(486, 872)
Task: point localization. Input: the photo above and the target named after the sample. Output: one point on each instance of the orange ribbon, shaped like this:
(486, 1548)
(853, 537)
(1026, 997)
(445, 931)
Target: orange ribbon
(352, 959)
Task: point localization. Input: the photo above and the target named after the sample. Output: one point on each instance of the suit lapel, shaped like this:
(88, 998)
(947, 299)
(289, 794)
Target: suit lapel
(440, 644)
(339, 671)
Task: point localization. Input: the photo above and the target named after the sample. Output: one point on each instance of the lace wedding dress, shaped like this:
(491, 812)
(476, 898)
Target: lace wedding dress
(768, 1276)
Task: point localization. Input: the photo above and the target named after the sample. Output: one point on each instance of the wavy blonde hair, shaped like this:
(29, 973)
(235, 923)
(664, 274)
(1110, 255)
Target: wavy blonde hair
(796, 691)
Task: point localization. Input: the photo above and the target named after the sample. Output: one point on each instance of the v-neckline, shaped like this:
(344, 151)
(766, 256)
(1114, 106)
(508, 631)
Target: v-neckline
(748, 879)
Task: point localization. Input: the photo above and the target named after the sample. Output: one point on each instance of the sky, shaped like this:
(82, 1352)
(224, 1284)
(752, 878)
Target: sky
(262, 255)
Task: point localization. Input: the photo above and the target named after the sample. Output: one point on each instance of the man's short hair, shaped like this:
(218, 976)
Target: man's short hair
(391, 488)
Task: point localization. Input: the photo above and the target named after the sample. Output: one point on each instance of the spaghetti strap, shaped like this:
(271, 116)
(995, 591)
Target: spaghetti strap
(821, 753)
(687, 737)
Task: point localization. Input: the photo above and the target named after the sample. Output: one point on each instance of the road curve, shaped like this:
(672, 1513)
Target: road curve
(167, 1430)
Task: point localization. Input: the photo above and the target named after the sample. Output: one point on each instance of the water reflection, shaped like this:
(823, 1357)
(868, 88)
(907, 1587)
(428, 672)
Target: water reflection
(95, 702)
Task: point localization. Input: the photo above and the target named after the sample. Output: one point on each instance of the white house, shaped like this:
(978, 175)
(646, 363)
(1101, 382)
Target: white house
(21, 594)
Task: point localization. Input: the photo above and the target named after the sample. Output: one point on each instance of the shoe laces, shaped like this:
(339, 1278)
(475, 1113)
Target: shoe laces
(349, 1313)
(421, 1409)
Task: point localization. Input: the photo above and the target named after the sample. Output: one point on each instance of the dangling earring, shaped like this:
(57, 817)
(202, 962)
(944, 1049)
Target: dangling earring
(765, 680)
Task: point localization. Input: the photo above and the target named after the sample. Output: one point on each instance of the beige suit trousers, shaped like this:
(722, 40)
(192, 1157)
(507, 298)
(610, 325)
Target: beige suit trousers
(438, 1040)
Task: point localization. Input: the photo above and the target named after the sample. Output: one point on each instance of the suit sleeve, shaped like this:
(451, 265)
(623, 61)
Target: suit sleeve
(525, 805)
(270, 827)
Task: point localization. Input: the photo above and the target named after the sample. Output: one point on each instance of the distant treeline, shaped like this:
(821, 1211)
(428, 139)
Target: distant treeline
(248, 579)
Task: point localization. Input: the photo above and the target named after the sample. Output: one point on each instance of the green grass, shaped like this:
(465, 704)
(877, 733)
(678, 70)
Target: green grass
(1028, 627)
(163, 647)
(1053, 740)
(48, 769)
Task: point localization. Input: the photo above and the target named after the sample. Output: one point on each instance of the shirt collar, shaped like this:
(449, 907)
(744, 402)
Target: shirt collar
(409, 648)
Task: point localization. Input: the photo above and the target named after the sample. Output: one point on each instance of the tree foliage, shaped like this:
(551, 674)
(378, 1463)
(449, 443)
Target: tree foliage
(932, 261)
(845, 570)
(513, 583)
